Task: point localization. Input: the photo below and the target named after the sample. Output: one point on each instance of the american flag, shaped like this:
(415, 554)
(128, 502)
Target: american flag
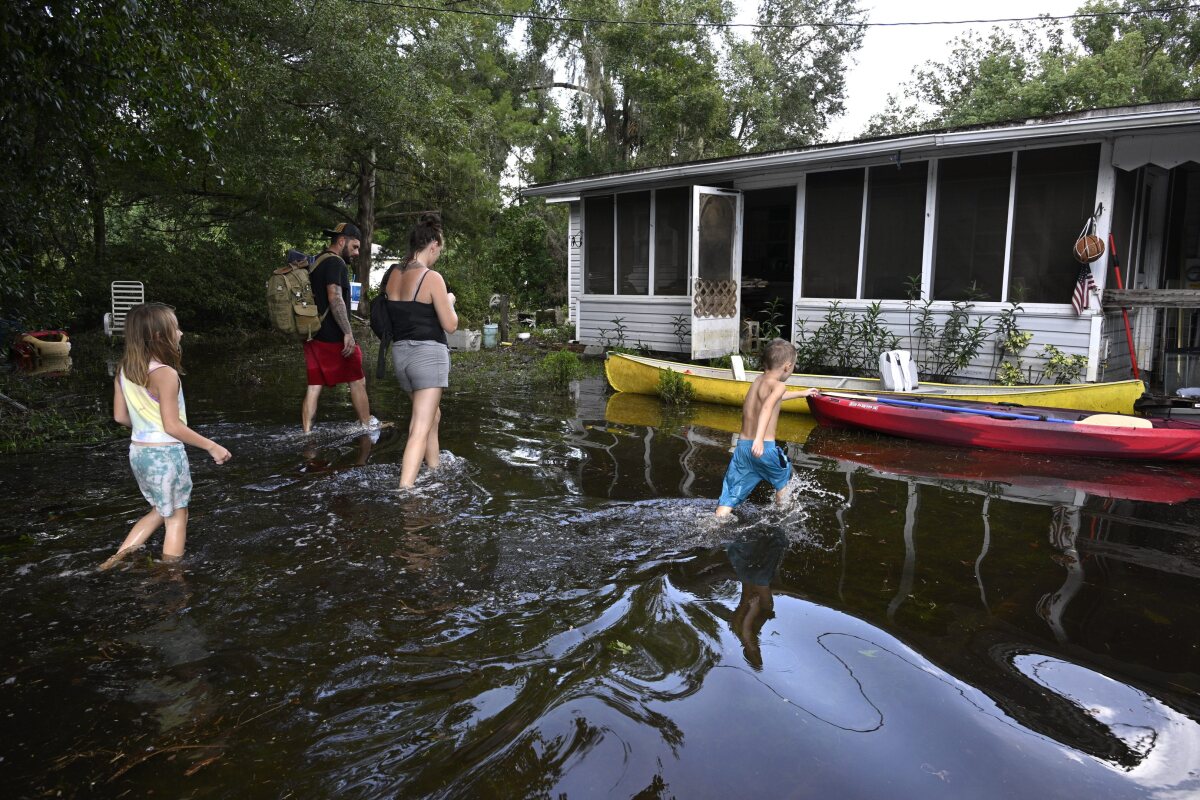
(1084, 286)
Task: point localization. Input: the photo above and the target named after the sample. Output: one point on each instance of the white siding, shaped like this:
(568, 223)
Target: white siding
(574, 264)
(646, 320)
(1047, 323)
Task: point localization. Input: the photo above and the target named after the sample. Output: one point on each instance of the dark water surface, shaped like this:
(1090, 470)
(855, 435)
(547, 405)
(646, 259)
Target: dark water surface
(554, 614)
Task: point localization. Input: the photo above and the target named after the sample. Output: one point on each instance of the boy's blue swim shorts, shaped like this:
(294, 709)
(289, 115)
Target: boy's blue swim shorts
(745, 471)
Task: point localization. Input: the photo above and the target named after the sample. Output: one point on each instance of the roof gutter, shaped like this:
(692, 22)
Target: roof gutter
(1094, 125)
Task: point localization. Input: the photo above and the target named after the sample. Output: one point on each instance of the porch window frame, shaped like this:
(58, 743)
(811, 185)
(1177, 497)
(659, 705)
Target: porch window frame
(801, 205)
(863, 220)
(583, 245)
(1006, 270)
(650, 289)
(932, 200)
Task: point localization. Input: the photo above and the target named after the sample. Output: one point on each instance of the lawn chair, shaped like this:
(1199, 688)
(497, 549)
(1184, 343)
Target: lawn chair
(897, 371)
(125, 295)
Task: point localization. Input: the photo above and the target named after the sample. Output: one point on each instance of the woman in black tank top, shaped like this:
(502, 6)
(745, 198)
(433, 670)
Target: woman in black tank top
(422, 313)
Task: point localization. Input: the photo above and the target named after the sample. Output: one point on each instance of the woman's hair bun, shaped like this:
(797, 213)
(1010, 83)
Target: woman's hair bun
(431, 219)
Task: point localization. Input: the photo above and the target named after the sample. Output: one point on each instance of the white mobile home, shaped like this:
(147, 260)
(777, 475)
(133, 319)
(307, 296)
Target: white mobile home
(682, 254)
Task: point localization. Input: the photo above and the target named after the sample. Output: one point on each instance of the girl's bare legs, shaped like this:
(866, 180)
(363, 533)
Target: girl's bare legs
(425, 404)
(137, 536)
(176, 535)
(433, 453)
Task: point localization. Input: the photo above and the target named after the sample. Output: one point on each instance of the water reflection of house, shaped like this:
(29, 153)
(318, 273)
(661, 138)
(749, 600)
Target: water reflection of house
(1071, 569)
(1128, 729)
(637, 445)
(699, 246)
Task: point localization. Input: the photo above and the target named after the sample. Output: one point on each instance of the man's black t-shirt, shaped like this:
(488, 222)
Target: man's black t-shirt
(332, 270)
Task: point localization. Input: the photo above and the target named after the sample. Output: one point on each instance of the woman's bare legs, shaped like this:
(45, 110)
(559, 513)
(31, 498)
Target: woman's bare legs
(425, 414)
(433, 453)
(137, 536)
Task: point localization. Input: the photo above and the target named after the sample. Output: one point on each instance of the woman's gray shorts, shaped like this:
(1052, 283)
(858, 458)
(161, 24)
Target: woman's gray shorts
(421, 364)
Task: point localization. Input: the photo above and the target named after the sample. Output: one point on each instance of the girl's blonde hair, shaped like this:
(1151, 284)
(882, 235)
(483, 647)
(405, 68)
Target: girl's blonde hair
(150, 335)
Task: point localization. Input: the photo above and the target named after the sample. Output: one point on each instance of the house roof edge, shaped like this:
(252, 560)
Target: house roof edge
(1094, 121)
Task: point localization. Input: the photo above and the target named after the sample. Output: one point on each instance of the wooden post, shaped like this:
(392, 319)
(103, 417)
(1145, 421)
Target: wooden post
(504, 318)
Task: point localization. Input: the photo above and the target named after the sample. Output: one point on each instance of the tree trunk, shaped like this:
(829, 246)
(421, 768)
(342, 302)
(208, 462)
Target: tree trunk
(99, 231)
(96, 198)
(366, 216)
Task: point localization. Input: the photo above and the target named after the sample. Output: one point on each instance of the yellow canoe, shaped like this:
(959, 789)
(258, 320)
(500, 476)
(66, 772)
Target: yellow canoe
(648, 412)
(639, 375)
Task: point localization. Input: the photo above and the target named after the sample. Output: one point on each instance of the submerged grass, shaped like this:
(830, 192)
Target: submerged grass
(559, 368)
(509, 367)
(41, 428)
(72, 405)
(50, 403)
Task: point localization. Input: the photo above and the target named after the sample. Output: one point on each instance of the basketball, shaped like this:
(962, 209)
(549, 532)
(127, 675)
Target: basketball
(1088, 249)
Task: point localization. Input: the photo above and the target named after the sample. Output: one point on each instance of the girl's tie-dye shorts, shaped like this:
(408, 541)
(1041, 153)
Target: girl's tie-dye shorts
(163, 475)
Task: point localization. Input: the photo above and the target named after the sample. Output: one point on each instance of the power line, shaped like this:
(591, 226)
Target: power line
(662, 23)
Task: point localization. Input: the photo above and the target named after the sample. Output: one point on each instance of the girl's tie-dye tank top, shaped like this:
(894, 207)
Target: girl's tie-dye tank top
(144, 411)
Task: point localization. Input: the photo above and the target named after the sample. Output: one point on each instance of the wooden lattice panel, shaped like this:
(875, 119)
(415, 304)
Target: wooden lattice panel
(715, 299)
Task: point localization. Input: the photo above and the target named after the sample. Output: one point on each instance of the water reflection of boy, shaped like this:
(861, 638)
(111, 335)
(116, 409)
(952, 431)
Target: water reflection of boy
(755, 560)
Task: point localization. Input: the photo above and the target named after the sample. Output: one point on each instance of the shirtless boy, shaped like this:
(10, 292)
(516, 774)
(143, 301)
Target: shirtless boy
(757, 457)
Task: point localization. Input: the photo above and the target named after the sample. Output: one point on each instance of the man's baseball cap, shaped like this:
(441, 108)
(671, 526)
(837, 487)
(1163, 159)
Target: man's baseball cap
(295, 255)
(347, 229)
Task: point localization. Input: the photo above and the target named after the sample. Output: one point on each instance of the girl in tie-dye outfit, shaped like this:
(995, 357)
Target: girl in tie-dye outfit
(148, 397)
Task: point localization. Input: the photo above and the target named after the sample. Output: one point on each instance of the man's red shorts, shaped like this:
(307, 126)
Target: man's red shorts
(326, 367)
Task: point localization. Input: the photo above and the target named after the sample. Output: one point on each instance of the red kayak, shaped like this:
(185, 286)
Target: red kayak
(994, 470)
(1021, 429)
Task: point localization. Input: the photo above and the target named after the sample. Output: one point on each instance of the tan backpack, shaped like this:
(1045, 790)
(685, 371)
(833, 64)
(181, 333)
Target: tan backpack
(290, 303)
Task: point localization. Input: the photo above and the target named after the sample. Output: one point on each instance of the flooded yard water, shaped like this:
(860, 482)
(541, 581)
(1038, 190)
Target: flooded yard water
(554, 614)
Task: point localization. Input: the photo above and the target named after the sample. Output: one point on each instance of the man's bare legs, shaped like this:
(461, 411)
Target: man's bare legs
(308, 409)
(364, 448)
(358, 399)
(425, 415)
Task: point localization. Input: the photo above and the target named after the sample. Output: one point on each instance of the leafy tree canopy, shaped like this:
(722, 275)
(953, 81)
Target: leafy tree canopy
(1036, 69)
(188, 145)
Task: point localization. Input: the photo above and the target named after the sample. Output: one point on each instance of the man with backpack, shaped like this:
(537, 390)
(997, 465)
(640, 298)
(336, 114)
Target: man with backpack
(331, 355)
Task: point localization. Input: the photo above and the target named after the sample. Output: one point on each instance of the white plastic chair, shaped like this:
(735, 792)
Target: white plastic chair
(125, 295)
(737, 367)
(897, 371)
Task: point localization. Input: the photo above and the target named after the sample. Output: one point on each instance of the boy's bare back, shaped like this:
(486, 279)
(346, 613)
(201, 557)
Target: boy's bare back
(765, 396)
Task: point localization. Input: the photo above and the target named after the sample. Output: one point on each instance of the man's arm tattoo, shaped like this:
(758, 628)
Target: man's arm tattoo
(337, 307)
